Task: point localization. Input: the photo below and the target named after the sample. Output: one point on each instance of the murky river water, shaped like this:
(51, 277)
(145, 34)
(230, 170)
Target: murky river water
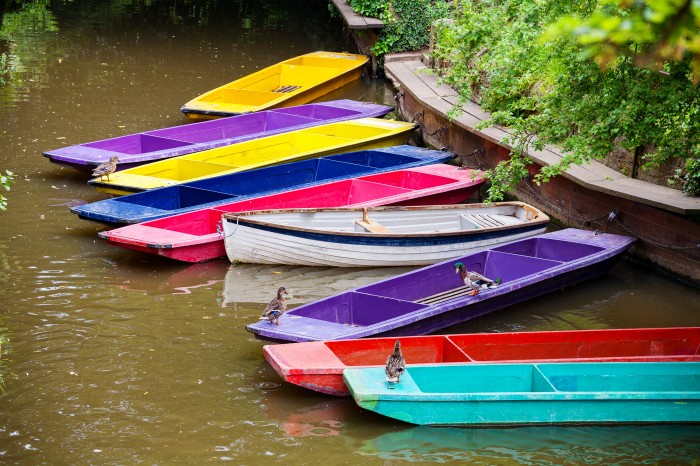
(119, 358)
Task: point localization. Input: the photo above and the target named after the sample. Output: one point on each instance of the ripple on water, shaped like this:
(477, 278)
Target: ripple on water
(268, 385)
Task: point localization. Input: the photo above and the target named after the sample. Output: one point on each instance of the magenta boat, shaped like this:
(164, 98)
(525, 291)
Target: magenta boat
(149, 146)
(198, 236)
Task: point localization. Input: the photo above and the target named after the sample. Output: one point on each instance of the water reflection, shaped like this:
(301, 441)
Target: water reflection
(317, 419)
(539, 445)
(258, 283)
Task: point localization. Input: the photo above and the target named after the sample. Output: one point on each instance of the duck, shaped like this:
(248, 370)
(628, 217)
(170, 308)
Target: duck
(106, 168)
(395, 364)
(276, 308)
(475, 280)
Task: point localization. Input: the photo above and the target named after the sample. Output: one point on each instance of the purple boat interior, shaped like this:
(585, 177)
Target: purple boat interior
(216, 130)
(509, 262)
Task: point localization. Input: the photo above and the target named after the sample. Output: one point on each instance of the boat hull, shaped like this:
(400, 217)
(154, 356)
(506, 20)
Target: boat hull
(296, 81)
(140, 148)
(319, 365)
(436, 233)
(434, 297)
(534, 394)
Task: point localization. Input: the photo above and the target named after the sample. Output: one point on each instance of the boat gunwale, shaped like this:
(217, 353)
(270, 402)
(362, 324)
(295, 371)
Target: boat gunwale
(240, 218)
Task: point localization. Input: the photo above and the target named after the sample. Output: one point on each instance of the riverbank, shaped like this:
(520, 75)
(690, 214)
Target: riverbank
(665, 221)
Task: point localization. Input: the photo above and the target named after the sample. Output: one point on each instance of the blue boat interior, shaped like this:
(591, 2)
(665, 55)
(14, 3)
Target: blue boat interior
(177, 197)
(379, 158)
(416, 290)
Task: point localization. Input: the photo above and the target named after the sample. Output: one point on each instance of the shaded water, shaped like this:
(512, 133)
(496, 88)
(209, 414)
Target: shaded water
(120, 358)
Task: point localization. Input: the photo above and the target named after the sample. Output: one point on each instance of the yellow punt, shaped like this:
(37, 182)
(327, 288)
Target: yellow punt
(295, 81)
(317, 141)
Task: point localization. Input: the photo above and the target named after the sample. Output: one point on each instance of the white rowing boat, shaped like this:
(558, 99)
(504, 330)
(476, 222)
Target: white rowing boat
(378, 236)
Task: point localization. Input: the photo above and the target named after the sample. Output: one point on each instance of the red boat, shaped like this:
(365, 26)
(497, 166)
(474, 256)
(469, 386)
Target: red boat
(319, 365)
(198, 236)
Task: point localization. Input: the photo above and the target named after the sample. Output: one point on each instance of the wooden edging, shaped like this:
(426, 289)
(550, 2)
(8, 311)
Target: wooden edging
(422, 83)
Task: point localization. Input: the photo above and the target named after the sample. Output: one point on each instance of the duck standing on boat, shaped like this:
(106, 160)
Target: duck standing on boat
(395, 364)
(474, 280)
(106, 168)
(276, 308)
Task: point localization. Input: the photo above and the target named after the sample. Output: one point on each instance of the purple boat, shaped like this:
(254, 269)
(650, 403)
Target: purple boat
(149, 146)
(435, 297)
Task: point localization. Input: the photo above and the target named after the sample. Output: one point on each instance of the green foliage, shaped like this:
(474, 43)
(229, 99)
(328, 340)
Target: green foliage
(32, 16)
(372, 8)
(690, 177)
(650, 31)
(406, 22)
(5, 181)
(549, 91)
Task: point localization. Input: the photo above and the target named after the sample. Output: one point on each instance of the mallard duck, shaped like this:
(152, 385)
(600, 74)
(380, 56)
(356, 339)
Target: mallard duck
(106, 168)
(276, 308)
(395, 364)
(474, 280)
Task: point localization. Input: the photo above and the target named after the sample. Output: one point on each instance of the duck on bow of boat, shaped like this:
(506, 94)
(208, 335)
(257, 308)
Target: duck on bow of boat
(106, 168)
(395, 364)
(276, 308)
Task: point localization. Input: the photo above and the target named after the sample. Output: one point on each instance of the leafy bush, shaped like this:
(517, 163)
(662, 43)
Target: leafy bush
(407, 22)
(549, 90)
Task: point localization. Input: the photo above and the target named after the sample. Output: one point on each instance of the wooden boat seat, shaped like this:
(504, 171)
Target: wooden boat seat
(477, 221)
(286, 89)
(446, 295)
(371, 226)
(486, 220)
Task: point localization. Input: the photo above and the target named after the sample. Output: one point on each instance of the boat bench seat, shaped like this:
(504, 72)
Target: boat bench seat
(372, 227)
(446, 295)
(468, 221)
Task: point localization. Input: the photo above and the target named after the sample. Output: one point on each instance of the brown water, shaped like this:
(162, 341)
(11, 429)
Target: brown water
(119, 358)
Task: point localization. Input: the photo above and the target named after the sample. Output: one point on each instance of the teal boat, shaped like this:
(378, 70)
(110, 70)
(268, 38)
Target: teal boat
(530, 394)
